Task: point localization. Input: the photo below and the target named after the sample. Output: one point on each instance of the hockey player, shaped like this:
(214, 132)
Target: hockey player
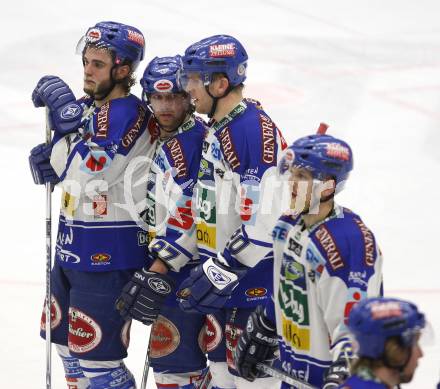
(234, 212)
(176, 354)
(98, 246)
(325, 261)
(387, 332)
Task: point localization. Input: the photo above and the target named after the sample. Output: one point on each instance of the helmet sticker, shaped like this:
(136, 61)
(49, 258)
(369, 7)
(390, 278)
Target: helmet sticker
(163, 86)
(93, 35)
(223, 50)
(338, 151)
(136, 37)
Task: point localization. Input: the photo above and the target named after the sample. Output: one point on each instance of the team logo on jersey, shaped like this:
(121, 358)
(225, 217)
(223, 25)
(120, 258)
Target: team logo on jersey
(93, 35)
(100, 259)
(222, 50)
(213, 333)
(165, 338)
(55, 315)
(293, 302)
(70, 111)
(159, 285)
(163, 86)
(125, 333)
(85, 334)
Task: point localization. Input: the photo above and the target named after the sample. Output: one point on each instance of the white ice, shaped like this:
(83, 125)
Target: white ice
(370, 69)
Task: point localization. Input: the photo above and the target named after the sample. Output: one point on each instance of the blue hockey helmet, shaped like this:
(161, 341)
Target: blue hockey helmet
(372, 321)
(125, 41)
(323, 155)
(216, 54)
(160, 76)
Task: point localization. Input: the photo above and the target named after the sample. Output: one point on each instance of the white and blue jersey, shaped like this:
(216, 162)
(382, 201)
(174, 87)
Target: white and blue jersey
(169, 215)
(98, 167)
(320, 272)
(234, 196)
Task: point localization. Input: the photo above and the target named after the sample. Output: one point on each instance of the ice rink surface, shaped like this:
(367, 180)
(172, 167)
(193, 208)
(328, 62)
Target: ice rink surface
(370, 69)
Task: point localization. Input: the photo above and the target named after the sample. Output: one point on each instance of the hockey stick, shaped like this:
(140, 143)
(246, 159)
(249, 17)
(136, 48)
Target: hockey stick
(48, 268)
(146, 364)
(281, 375)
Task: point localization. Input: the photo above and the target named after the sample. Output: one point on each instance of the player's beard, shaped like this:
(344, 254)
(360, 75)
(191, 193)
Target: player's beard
(101, 90)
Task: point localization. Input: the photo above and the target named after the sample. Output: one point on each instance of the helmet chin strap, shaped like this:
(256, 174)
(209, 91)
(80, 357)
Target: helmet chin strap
(216, 99)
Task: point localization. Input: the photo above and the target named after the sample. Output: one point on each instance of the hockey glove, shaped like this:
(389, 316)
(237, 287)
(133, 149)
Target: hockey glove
(39, 162)
(143, 296)
(65, 113)
(257, 343)
(208, 287)
(338, 372)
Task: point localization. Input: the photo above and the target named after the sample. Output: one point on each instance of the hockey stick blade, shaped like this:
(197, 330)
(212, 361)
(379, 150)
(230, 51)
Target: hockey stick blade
(296, 383)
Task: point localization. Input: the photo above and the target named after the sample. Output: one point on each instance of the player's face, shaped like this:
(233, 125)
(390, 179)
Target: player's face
(98, 64)
(200, 98)
(170, 109)
(408, 372)
(301, 181)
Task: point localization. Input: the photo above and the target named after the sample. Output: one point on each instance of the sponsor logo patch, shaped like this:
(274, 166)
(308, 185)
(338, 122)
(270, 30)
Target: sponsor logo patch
(268, 140)
(368, 242)
(125, 333)
(136, 37)
(100, 259)
(228, 148)
(222, 50)
(165, 338)
(55, 315)
(256, 292)
(102, 121)
(179, 162)
(329, 245)
(382, 310)
(338, 151)
(100, 205)
(353, 297)
(84, 332)
(134, 131)
(232, 334)
(297, 337)
(163, 86)
(93, 35)
(213, 333)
